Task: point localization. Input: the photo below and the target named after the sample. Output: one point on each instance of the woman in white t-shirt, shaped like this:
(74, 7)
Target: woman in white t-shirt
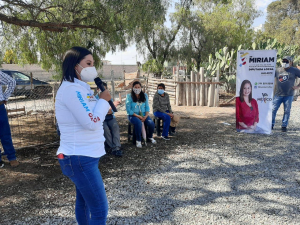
(80, 117)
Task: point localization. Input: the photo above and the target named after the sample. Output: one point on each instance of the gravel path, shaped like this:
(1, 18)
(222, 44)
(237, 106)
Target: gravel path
(207, 174)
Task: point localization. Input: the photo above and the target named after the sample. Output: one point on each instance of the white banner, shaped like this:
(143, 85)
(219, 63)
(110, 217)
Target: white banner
(254, 90)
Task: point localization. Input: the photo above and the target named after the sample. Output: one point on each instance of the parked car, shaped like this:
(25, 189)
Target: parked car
(24, 86)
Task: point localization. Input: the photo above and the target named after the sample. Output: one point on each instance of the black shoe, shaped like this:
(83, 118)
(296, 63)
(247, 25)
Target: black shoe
(272, 127)
(172, 133)
(1, 164)
(165, 138)
(117, 153)
(283, 129)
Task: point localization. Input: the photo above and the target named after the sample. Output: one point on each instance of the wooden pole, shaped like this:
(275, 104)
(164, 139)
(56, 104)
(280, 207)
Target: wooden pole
(112, 85)
(31, 83)
(202, 87)
(216, 100)
(124, 77)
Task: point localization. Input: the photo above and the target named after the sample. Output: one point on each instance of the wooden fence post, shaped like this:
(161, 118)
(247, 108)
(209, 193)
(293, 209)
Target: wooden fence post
(206, 91)
(202, 87)
(197, 92)
(216, 100)
(184, 94)
(211, 92)
(192, 89)
(177, 87)
(188, 92)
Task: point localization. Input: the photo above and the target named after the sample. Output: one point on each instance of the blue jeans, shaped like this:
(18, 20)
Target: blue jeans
(287, 104)
(112, 134)
(138, 126)
(167, 121)
(91, 201)
(5, 135)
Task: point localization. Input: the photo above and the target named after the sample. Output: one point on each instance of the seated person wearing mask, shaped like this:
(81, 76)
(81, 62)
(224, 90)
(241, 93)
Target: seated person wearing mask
(162, 109)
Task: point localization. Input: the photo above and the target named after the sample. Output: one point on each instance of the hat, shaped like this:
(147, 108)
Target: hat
(289, 58)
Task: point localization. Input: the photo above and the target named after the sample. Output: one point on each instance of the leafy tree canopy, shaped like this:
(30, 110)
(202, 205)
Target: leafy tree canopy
(49, 27)
(283, 21)
(214, 25)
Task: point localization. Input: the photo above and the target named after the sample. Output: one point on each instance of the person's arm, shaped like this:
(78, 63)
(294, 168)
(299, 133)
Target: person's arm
(5, 79)
(297, 73)
(90, 119)
(147, 109)
(116, 103)
(169, 104)
(239, 114)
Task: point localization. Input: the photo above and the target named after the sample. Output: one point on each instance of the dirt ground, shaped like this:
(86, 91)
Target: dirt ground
(38, 180)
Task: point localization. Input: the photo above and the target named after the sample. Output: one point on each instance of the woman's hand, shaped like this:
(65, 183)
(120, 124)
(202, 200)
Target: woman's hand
(105, 95)
(143, 118)
(253, 127)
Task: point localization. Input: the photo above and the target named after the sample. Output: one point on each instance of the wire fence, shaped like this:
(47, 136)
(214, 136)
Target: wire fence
(31, 115)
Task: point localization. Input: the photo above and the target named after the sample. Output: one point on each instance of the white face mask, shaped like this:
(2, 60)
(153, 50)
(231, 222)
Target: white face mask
(88, 74)
(285, 65)
(137, 90)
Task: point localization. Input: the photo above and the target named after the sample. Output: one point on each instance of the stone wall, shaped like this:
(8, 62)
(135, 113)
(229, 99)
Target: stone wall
(44, 75)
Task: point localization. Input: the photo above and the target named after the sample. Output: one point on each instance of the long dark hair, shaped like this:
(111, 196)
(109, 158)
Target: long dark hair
(142, 95)
(242, 88)
(72, 57)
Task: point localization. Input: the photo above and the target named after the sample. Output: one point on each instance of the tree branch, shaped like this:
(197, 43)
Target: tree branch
(50, 26)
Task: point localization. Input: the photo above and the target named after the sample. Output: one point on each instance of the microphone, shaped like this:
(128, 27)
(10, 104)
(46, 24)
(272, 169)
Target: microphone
(99, 84)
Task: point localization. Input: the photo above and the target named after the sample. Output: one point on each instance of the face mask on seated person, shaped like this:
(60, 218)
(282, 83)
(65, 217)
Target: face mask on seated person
(137, 90)
(160, 91)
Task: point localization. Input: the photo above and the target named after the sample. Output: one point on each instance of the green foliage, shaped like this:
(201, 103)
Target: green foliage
(223, 62)
(282, 49)
(156, 41)
(283, 21)
(10, 57)
(42, 31)
(214, 25)
(153, 66)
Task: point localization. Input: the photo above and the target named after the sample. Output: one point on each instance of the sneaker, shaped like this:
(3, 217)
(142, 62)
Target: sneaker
(117, 153)
(1, 164)
(283, 129)
(152, 140)
(138, 144)
(165, 138)
(14, 163)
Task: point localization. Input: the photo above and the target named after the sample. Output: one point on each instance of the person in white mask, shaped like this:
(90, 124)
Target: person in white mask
(137, 107)
(285, 77)
(80, 117)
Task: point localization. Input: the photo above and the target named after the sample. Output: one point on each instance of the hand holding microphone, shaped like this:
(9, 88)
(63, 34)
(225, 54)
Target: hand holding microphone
(105, 93)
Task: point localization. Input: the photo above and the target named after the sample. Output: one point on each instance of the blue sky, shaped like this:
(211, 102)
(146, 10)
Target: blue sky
(130, 55)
